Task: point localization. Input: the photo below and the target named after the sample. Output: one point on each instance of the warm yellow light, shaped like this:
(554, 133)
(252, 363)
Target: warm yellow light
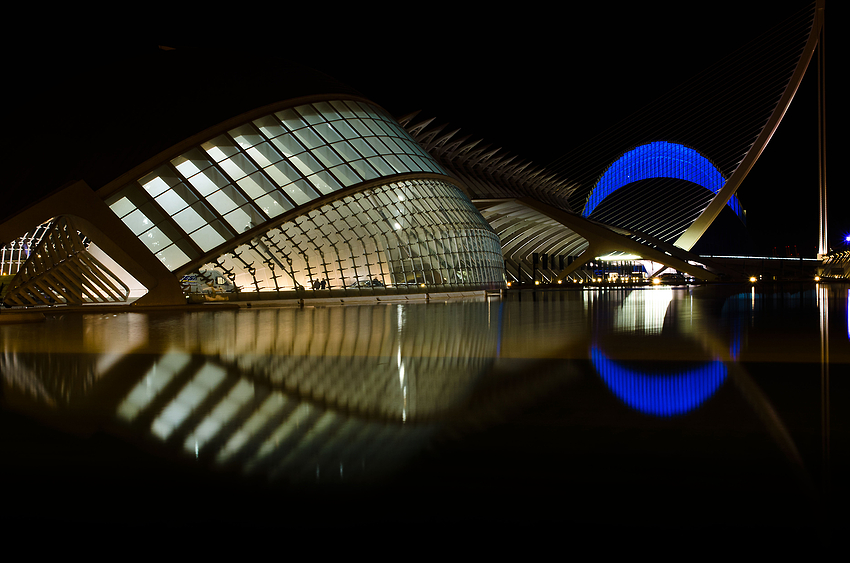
(559, 282)
(817, 278)
(509, 284)
(656, 281)
(536, 282)
(752, 279)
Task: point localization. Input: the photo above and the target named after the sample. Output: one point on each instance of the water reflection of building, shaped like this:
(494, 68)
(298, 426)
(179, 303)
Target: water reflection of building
(327, 393)
(625, 352)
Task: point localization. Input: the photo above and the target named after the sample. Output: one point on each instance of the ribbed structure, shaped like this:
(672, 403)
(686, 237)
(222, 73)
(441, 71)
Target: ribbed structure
(720, 112)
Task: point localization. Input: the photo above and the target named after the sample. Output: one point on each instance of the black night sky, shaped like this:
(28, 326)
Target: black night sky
(536, 81)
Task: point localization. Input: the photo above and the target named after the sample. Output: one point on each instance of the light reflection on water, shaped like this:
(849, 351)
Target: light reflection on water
(357, 393)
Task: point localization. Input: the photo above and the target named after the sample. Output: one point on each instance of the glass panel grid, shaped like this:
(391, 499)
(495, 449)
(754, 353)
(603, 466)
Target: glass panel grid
(390, 236)
(265, 167)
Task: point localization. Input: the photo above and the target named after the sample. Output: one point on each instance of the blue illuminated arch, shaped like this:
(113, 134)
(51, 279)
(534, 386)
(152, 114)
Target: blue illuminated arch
(659, 159)
(660, 394)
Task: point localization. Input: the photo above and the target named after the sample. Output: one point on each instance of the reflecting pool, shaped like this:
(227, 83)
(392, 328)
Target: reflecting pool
(695, 408)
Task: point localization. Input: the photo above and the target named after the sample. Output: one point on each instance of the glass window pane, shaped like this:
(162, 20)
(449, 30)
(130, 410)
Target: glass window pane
(325, 182)
(408, 162)
(306, 164)
(237, 166)
(282, 173)
(155, 240)
(207, 238)
(347, 151)
(189, 220)
(379, 163)
(155, 186)
(346, 175)
(397, 164)
(288, 145)
(391, 144)
(366, 172)
(172, 257)
(309, 138)
(274, 204)
(246, 136)
(361, 128)
(420, 164)
(342, 109)
(208, 181)
(355, 107)
(191, 163)
(309, 114)
(137, 222)
(244, 218)
(374, 127)
(345, 130)
(220, 148)
(160, 179)
(380, 147)
(122, 207)
(171, 203)
(363, 147)
(300, 192)
(327, 132)
(270, 126)
(386, 128)
(326, 110)
(327, 156)
(225, 200)
(256, 185)
(434, 167)
(290, 119)
(264, 154)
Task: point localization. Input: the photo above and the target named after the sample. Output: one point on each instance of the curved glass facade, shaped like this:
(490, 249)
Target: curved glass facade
(658, 160)
(400, 235)
(257, 171)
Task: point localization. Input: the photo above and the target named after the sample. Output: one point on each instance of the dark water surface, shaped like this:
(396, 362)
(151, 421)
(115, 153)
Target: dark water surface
(714, 408)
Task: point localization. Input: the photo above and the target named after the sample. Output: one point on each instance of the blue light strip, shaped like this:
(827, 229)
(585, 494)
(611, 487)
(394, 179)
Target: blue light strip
(659, 160)
(660, 394)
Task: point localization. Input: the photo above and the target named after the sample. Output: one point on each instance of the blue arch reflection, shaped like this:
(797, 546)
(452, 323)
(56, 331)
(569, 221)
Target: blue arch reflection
(660, 394)
(659, 159)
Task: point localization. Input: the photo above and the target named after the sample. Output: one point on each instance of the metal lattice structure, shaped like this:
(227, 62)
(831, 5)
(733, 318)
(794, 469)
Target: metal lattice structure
(61, 270)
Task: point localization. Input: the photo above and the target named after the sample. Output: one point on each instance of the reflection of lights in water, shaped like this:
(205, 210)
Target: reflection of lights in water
(190, 396)
(157, 378)
(660, 394)
(283, 392)
(401, 381)
(735, 345)
(644, 311)
(848, 313)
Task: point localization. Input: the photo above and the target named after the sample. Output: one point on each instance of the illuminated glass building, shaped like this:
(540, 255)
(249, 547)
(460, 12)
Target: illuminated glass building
(294, 184)
(323, 191)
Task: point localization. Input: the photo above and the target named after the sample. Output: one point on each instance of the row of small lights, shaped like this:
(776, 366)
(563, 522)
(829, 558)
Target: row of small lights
(655, 281)
(592, 280)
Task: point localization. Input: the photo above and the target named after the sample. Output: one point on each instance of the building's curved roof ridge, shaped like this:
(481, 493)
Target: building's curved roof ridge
(498, 172)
